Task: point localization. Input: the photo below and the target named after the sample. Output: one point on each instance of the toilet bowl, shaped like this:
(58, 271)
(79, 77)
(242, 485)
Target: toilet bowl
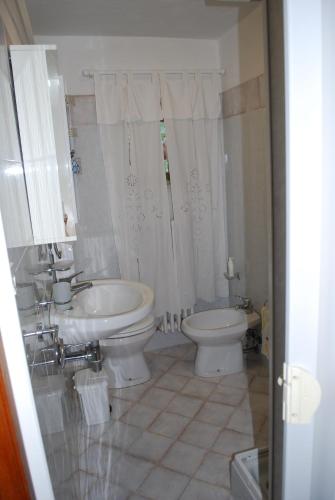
(218, 334)
(123, 358)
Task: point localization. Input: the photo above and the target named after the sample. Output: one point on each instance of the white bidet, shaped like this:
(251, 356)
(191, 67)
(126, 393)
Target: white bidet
(218, 334)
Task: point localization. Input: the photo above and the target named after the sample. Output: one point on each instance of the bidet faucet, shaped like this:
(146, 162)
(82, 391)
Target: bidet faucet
(246, 303)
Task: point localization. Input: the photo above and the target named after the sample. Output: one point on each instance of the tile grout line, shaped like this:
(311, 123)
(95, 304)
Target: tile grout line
(204, 400)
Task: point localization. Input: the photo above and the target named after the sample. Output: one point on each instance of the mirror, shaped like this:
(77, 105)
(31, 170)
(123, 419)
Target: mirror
(13, 195)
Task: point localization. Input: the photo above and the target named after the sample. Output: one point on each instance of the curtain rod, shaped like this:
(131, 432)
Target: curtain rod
(89, 73)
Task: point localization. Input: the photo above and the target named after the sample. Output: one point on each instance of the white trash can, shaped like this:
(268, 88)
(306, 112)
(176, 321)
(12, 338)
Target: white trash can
(49, 392)
(249, 475)
(92, 388)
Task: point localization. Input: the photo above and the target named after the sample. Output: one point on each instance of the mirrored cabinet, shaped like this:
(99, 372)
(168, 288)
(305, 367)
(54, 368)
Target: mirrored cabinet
(13, 196)
(47, 190)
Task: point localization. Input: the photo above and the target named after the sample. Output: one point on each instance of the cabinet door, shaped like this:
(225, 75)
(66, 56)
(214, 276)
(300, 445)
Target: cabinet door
(41, 112)
(13, 195)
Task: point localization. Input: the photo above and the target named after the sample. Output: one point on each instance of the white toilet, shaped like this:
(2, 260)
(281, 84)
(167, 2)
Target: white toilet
(123, 358)
(218, 334)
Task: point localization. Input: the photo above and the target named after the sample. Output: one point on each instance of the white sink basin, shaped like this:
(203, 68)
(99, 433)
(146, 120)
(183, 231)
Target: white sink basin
(107, 307)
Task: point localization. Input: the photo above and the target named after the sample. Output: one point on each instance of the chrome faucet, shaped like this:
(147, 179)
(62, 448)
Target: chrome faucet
(245, 304)
(70, 277)
(80, 287)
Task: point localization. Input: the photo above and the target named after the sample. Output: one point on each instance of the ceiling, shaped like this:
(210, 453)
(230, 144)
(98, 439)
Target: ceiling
(164, 18)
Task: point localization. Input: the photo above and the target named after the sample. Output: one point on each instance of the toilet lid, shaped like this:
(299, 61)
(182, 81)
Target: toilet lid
(139, 327)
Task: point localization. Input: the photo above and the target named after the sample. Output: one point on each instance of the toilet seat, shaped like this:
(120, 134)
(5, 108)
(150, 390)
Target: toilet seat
(139, 327)
(215, 324)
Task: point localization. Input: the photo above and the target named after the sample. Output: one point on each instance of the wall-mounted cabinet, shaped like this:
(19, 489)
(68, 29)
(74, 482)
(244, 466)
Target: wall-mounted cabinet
(42, 122)
(13, 196)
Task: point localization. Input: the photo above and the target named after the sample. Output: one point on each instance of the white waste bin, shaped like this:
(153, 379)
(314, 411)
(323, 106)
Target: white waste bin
(249, 475)
(92, 388)
(49, 392)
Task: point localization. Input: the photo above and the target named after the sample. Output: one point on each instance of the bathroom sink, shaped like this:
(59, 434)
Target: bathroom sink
(109, 306)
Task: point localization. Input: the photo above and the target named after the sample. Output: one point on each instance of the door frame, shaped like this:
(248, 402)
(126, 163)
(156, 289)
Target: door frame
(275, 42)
(19, 380)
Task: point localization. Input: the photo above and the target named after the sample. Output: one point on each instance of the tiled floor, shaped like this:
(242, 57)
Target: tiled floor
(171, 438)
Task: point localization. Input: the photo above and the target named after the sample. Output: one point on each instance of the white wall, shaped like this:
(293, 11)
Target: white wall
(242, 55)
(79, 52)
(95, 250)
(241, 49)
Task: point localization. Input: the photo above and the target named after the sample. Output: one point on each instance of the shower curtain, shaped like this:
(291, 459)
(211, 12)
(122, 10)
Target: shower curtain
(128, 114)
(181, 256)
(194, 133)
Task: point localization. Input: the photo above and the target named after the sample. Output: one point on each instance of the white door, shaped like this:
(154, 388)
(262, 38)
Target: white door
(309, 38)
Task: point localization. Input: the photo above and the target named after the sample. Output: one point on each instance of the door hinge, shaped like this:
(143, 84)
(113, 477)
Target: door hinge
(301, 394)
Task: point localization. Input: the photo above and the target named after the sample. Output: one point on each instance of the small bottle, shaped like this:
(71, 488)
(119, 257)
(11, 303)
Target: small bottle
(230, 267)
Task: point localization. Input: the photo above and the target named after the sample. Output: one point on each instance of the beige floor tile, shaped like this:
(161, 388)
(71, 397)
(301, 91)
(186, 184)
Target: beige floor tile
(184, 368)
(160, 363)
(215, 470)
(191, 353)
(184, 405)
(212, 380)
(78, 486)
(227, 395)
(129, 472)
(178, 351)
(198, 388)
(172, 382)
(211, 418)
(164, 484)
(133, 393)
(135, 496)
(119, 407)
(215, 413)
(240, 380)
(262, 438)
(157, 398)
(140, 416)
(230, 442)
(98, 459)
(106, 490)
(92, 432)
(120, 435)
(245, 421)
(200, 434)
(257, 365)
(184, 458)
(198, 490)
(169, 424)
(150, 446)
(260, 384)
(256, 402)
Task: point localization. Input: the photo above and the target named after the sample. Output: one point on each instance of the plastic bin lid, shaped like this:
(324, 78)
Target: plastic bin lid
(83, 378)
(50, 384)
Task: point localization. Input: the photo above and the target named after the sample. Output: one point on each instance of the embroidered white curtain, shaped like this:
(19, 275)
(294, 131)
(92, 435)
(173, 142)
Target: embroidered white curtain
(129, 113)
(183, 259)
(192, 113)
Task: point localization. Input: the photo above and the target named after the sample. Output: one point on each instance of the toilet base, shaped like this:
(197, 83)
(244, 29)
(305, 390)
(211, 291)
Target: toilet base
(216, 360)
(127, 371)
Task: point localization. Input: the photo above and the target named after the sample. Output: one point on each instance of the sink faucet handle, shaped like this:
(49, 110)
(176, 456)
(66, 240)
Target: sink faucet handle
(70, 278)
